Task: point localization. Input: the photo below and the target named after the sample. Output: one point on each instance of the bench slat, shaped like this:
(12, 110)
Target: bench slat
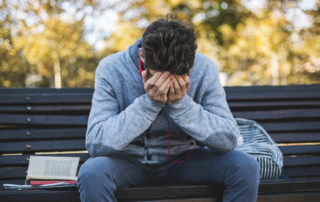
(50, 133)
(288, 137)
(301, 161)
(13, 172)
(45, 108)
(76, 119)
(65, 133)
(79, 144)
(42, 145)
(234, 106)
(299, 150)
(302, 171)
(84, 109)
(291, 126)
(277, 188)
(18, 119)
(279, 114)
(272, 92)
(271, 88)
(159, 192)
(46, 90)
(273, 104)
(82, 121)
(276, 95)
(45, 98)
(79, 132)
(70, 195)
(73, 196)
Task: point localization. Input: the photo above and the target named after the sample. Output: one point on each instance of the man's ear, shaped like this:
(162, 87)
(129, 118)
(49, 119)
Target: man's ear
(141, 55)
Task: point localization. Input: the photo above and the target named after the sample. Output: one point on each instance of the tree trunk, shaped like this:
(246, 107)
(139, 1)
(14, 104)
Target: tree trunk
(275, 69)
(57, 74)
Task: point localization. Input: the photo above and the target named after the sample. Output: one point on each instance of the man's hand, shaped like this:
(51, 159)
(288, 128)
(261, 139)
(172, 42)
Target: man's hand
(179, 87)
(157, 86)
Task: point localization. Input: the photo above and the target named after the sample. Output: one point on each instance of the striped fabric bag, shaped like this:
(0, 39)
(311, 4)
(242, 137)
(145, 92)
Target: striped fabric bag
(258, 143)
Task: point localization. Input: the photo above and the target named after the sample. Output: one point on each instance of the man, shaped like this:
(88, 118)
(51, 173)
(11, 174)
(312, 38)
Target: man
(168, 123)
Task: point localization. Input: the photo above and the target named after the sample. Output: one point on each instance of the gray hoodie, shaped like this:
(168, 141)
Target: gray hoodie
(124, 120)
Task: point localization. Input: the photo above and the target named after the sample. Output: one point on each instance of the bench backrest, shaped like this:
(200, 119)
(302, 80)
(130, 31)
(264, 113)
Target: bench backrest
(42, 120)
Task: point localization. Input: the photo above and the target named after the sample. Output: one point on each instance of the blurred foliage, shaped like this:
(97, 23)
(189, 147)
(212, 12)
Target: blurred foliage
(41, 47)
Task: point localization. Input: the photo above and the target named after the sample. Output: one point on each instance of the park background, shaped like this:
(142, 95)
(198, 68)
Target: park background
(58, 44)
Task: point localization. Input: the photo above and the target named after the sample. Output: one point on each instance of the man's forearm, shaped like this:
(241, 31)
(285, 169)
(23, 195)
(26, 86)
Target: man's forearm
(220, 132)
(109, 133)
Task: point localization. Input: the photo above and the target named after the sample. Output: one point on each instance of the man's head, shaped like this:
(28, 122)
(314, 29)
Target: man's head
(169, 45)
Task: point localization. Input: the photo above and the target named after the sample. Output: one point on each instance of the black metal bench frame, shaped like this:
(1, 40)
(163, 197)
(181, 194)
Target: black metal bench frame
(54, 120)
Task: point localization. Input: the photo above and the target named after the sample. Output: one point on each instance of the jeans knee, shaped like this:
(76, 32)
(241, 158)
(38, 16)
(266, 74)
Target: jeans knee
(87, 174)
(92, 172)
(245, 169)
(251, 170)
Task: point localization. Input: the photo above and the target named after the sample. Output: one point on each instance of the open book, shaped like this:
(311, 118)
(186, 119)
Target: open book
(53, 168)
(49, 172)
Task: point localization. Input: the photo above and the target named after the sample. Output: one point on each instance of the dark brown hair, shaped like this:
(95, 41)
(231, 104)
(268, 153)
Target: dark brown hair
(169, 45)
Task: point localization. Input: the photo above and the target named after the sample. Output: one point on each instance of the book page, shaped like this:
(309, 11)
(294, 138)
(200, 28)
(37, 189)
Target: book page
(53, 167)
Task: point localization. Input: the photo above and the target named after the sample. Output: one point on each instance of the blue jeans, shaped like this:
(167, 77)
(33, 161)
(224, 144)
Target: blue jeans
(236, 171)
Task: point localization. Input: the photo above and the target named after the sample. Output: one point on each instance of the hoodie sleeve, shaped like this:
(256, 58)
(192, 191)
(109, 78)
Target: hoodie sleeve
(210, 122)
(110, 129)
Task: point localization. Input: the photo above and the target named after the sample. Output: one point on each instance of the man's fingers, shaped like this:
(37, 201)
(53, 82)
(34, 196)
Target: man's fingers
(168, 87)
(159, 82)
(165, 92)
(162, 79)
(187, 81)
(165, 85)
(151, 82)
(172, 90)
(181, 83)
(176, 85)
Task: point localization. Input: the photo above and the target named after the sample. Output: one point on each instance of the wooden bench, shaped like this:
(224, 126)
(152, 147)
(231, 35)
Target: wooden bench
(54, 120)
